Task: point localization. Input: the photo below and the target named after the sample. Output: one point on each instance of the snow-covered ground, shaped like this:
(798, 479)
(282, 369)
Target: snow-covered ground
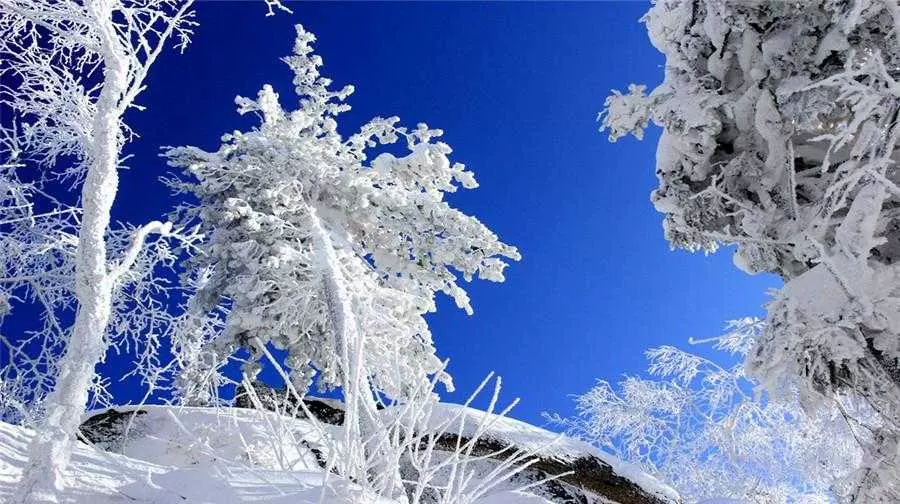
(100, 477)
(231, 455)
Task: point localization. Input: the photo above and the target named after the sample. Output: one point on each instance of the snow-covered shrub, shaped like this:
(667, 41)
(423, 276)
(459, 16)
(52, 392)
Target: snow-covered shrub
(698, 425)
(445, 455)
(779, 136)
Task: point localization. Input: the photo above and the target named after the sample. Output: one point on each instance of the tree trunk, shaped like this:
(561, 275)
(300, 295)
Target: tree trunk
(360, 404)
(50, 450)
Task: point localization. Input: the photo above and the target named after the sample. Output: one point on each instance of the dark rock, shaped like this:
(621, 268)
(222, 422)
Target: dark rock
(105, 430)
(281, 401)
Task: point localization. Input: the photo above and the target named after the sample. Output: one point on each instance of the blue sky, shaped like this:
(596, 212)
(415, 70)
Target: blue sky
(516, 87)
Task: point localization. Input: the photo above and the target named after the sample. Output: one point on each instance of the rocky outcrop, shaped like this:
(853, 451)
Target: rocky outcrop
(585, 478)
(280, 400)
(105, 429)
(585, 475)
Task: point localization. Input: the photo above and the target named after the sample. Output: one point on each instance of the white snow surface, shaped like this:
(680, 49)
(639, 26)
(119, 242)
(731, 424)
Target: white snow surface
(186, 436)
(513, 497)
(98, 477)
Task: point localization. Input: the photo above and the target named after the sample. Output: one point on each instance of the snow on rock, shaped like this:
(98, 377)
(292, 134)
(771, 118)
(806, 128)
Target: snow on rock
(465, 421)
(184, 436)
(280, 399)
(592, 468)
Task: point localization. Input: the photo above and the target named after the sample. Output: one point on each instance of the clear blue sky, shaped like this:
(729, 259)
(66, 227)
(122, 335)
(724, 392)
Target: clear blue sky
(516, 87)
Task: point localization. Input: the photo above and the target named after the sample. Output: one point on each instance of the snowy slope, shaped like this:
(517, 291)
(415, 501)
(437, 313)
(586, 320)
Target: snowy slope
(168, 455)
(98, 477)
(95, 474)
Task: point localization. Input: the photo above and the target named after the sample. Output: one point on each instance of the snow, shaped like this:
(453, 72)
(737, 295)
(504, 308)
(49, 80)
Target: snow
(220, 486)
(92, 473)
(465, 421)
(99, 477)
(513, 497)
(184, 436)
(231, 455)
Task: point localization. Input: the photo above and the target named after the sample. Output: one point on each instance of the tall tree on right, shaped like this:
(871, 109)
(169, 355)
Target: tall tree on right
(780, 131)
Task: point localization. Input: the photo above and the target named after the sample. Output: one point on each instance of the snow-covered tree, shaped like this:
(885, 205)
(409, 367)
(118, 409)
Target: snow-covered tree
(328, 251)
(779, 136)
(70, 71)
(698, 425)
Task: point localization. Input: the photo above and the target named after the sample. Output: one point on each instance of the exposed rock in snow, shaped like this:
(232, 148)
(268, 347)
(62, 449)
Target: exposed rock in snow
(593, 472)
(325, 409)
(187, 437)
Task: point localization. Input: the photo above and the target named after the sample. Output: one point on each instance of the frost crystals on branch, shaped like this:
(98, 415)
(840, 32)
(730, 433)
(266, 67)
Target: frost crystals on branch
(699, 425)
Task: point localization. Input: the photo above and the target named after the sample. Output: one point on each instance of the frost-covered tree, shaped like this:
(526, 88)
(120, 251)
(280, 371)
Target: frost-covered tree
(698, 425)
(71, 70)
(779, 136)
(324, 249)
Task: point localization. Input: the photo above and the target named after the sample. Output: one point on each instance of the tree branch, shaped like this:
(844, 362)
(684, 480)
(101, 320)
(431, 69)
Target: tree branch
(137, 243)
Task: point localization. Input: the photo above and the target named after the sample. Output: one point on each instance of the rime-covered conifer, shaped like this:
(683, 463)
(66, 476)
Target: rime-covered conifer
(780, 131)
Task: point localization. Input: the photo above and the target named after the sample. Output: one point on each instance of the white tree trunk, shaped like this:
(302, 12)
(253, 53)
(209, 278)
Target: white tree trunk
(360, 403)
(51, 448)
